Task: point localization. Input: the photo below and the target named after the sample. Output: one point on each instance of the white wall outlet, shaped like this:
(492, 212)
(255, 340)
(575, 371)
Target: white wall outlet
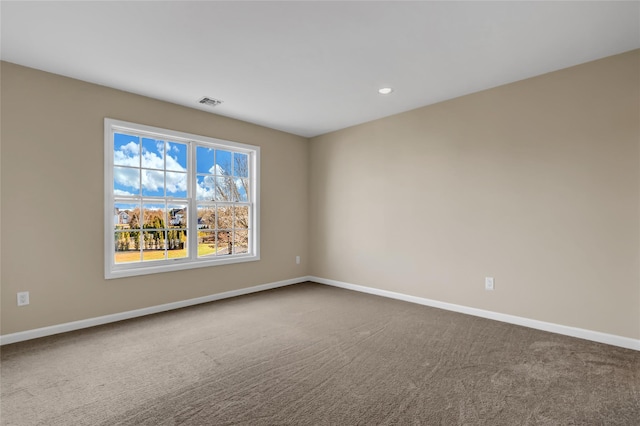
(297, 260)
(23, 298)
(488, 283)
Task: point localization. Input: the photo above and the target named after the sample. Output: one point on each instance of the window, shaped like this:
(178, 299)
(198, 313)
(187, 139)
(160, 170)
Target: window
(177, 201)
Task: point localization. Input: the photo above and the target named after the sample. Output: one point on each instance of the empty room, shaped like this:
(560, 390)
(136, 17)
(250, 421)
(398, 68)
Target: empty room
(319, 213)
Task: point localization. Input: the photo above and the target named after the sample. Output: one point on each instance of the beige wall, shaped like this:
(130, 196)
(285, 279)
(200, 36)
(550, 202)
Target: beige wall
(52, 201)
(535, 183)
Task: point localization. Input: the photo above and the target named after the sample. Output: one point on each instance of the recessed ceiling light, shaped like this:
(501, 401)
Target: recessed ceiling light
(385, 90)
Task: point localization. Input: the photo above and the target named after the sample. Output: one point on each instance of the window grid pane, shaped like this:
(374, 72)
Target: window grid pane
(223, 229)
(141, 172)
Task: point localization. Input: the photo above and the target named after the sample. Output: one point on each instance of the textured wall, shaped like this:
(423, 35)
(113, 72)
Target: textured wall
(52, 201)
(535, 183)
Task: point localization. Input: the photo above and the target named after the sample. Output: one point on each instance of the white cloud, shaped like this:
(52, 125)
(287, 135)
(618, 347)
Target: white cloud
(217, 170)
(129, 178)
(127, 155)
(152, 160)
(206, 189)
(173, 164)
(176, 182)
(153, 180)
(131, 148)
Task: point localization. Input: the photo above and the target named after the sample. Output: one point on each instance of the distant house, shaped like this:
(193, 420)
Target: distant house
(121, 218)
(176, 216)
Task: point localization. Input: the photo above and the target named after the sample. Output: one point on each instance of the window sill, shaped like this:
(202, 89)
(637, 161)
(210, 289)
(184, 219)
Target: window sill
(113, 273)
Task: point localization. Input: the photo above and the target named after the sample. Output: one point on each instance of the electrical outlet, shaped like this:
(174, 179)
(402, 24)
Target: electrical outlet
(297, 260)
(488, 283)
(23, 298)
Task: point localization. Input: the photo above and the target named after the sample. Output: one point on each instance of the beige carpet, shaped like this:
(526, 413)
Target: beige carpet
(315, 355)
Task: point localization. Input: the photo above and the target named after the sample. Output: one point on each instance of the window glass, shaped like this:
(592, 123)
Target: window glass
(165, 184)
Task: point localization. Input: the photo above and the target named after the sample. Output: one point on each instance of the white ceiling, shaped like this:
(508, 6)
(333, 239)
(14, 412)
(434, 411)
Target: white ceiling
(311, 67)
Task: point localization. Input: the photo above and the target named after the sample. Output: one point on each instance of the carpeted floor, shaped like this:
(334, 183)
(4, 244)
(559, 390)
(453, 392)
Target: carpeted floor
(310, 354)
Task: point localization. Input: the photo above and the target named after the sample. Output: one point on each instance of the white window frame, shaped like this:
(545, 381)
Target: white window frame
(113, 270)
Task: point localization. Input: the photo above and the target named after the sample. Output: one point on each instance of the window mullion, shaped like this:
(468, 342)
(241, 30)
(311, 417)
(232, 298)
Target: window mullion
(192, 223)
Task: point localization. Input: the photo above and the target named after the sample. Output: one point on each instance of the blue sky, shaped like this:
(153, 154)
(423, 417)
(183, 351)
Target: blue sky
(128, 181)
(142, 163)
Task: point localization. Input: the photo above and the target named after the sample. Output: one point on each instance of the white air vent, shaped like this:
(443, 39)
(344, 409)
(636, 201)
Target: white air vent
(210, 101)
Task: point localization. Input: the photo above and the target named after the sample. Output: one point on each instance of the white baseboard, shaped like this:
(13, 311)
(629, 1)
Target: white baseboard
(596, 336)
(91, 322)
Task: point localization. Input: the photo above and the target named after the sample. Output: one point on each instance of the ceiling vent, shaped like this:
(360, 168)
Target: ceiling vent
(210, 101)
